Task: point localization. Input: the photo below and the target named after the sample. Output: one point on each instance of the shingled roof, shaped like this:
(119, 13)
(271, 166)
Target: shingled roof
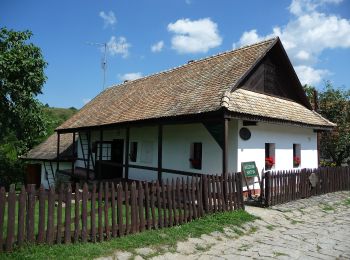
(47, 150)
(197, 87)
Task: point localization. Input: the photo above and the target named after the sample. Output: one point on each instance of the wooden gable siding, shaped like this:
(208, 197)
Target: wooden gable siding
(275, 76)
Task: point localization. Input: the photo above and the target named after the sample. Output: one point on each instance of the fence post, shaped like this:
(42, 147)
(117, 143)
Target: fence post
(2, 213)
(267, 188)
(11, 202)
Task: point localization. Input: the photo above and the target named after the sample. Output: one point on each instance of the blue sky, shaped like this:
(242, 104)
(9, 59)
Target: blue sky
(145, 37)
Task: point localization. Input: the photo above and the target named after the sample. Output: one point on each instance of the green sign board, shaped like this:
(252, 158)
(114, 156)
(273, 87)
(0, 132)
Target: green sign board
(249, 169)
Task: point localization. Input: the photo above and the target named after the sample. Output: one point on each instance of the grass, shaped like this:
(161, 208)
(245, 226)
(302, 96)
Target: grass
(275, 253)
(347, 202)
(163, 237)
(270, 227)
(327, 207)
(294, 222)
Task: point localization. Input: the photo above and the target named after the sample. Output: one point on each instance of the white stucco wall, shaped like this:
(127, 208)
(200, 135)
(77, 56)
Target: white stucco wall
(283, 136)
(177, 140)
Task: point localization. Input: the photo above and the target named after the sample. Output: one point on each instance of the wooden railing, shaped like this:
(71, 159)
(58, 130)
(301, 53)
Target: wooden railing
(110, 209)
(284, 186)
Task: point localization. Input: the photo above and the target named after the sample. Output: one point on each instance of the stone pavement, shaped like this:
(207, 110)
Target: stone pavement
(314, 228)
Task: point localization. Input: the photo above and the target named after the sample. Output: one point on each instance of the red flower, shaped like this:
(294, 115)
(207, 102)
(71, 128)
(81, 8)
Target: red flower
(269, 162)
(296, 160)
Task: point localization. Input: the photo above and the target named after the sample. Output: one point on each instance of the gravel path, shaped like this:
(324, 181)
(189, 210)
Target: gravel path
(314, 228)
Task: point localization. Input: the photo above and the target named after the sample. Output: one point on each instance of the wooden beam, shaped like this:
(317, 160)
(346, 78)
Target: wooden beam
(100, 157)
(73, 154)
(160, 151)
(58, 153)
(225, 149)
(88, 155)
(126, 157)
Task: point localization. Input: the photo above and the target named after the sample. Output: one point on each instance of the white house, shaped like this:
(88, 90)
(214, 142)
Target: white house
(207, 116)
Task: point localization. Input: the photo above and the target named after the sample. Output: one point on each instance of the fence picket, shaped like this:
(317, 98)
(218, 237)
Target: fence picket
(41, 227)
(2, 215)
(11, 215)
(93, 213)
(59, 214)
(153, 195)
(141, 196)
(84, 228)
(179, 202)
(106, 209)
(127, 209)
(99, 212)
(76, 213)
(169, 204)
(50, 216)
(159, 206)
(120, 209)
(185, 199)
(147, 207)
(113, 208)
(21, 216)
(67, 233)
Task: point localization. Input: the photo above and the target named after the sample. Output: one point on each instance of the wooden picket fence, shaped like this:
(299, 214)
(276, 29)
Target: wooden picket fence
(110, 209)
(284, 186)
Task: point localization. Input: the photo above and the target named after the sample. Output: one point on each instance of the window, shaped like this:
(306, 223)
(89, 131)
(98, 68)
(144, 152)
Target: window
(133, 151)
(106, 151)
(269, 156)
(196, 156)
(296, 155)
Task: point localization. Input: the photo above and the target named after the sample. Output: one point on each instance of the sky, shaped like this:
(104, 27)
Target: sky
(146, 37)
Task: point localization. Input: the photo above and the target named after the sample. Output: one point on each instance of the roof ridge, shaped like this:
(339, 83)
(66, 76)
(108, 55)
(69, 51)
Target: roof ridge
(217, 55)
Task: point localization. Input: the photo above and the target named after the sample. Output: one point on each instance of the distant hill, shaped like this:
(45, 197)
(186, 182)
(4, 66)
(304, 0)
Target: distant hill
(56, 116)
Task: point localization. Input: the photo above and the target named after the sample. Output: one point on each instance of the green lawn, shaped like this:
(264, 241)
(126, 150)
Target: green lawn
(166, 236)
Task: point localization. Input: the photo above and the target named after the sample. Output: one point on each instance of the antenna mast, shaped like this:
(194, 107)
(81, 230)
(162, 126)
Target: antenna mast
(104, 60)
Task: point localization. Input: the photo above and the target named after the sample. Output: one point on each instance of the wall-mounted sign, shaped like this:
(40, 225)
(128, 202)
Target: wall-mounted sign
(249, 169)
(245, 133)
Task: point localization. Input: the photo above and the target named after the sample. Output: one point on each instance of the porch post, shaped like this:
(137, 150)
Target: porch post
(225, 149)
(160, 151)
(88, 155)
(58, 152)
(73, 154)
(100, 156)
(126, 158)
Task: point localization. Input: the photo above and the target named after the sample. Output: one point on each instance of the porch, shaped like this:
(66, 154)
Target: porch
(115, 152)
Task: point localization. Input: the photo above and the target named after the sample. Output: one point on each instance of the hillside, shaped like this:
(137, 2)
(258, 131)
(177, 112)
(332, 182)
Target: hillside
(56, 116)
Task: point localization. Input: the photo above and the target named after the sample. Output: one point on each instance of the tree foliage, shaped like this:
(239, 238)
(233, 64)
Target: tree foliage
(334, 104)
(21, 80)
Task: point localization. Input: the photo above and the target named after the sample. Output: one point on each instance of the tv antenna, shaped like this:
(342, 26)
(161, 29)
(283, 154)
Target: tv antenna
(104, 59)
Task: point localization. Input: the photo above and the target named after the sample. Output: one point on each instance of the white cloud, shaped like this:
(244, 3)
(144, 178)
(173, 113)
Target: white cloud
(310, 75)
(86, 100)
(299, 7)
(130, 76)
(157, 47)
(117, 46)
(108, 18)
(196, 36)
(307, 35)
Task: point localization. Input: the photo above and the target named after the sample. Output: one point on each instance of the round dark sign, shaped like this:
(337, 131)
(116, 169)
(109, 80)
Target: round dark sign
(245, 133)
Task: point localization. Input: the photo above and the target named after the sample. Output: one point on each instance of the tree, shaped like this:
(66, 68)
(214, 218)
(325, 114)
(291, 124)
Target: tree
(334, 104)
(21, 80)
